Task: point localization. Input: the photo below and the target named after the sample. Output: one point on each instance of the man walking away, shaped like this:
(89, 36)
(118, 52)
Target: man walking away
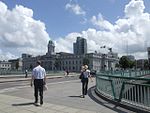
(39, 78)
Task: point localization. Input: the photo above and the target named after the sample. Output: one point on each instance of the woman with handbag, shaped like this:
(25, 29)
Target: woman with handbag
(85, 74)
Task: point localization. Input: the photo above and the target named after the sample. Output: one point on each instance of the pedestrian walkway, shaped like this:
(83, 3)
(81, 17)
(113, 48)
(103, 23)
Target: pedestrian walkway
(11, 104)
(62, 97)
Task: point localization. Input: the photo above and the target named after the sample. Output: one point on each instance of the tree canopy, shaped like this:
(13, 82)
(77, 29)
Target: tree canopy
(125, 62)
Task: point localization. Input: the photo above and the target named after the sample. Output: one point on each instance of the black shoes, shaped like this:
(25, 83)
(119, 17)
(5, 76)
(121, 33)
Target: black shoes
(37, 104)
(41, 103)
(82, 96)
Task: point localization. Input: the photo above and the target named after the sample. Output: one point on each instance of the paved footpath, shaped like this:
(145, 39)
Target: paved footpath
(61, 97)
(11, 104)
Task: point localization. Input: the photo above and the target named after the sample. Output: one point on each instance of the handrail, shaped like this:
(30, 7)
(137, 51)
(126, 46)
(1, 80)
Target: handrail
(131, 89)
(135, 78)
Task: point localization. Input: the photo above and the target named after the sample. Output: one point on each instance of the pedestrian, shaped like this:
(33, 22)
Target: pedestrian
(85, 75)
(39, 78)
(26, 73)
(67, 71)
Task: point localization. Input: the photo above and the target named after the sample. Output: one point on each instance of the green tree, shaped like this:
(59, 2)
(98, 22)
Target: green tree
(146, 66)
(86, 61)
(124, 62)
(131, 64)
(17, 65)
(31, 66)
(117, 65)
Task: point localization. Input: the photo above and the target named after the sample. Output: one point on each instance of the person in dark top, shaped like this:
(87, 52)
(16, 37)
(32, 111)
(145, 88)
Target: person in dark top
(85, 74)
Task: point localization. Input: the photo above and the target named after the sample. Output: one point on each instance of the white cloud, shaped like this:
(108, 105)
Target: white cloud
(131, 31)
(134, 8)
(66, 44)
(75, 8)
(130, 34)
(20, 32)
(103, 24)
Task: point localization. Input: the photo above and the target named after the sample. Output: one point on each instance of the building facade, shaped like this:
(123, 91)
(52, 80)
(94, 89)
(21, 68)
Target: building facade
(72, 62)
(5, 65)
(142, 64)
(16, 64)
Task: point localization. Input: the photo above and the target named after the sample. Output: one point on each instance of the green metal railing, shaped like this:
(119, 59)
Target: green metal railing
(130, 87)
(126, 73)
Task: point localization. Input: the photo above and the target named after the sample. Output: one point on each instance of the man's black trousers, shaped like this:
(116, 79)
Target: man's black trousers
(38, 88)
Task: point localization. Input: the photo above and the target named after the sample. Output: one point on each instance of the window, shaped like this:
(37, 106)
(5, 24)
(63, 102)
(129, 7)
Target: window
(73, 68)
(76, 62)
(80, 62)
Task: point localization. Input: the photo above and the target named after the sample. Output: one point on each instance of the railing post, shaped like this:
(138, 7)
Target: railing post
(113, 89)
(121, 92)
(129, 73)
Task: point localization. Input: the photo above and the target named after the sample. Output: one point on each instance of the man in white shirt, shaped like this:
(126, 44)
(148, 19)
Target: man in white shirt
(39, 78)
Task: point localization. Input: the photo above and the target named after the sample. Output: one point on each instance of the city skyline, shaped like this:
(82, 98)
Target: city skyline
(26, 27)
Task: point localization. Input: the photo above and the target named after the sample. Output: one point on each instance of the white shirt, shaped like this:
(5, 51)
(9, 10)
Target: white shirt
(38, 72)
(86, 73)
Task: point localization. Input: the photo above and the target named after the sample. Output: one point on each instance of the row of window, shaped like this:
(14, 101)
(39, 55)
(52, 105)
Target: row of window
(72, 68)
(70, 56)
(71, 62)
(5, 65)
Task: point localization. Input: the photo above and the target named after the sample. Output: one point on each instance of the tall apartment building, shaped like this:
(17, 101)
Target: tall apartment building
(80, 46)
(148, 50)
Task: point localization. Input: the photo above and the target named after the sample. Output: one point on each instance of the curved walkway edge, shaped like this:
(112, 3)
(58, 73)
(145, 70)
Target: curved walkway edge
(121, 104)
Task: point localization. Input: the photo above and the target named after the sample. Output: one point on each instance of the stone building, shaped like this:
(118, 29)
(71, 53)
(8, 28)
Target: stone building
(16, 64)
(5, 65)
(142, 64)
(72, 61)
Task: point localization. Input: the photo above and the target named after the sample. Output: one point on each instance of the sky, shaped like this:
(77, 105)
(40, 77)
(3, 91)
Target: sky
(26, 26)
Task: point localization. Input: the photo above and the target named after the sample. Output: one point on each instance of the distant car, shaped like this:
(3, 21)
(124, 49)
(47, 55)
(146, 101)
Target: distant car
(93, 73)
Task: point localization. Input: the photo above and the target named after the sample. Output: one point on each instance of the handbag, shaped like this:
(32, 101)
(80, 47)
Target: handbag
(45, 87)
(81, 75)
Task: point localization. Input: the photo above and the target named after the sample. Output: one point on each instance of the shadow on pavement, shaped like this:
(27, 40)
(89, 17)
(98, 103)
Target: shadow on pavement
(23, 104)
(92, 95)
(75, 96)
